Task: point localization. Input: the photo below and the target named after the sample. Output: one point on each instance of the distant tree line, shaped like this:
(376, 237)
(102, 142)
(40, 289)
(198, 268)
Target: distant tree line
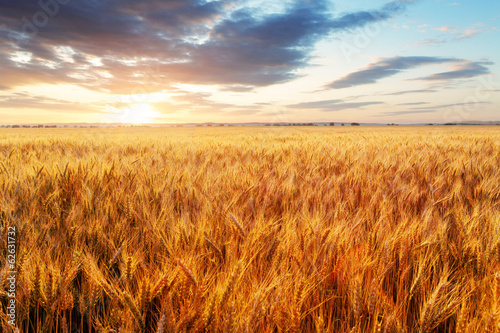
(308, 124)
(28, 126)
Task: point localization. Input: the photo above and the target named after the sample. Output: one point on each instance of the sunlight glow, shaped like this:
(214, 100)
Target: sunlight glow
(140, 113)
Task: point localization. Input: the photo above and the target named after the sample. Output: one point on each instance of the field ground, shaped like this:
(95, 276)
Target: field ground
(320, 229)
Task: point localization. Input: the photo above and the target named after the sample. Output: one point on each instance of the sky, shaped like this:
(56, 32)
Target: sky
(193, 61)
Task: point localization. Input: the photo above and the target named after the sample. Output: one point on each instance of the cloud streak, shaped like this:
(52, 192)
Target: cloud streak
(444, 106)
(416, 91)
(388, 67)
(24, 101)
(332, 105)
(457, 34)
(466, 69)
(402, 113)
(414, 103)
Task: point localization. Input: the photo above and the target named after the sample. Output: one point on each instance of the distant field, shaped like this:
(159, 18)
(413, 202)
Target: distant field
(268, 229)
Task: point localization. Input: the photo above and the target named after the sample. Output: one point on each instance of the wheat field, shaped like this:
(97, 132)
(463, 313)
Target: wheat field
(312, 229)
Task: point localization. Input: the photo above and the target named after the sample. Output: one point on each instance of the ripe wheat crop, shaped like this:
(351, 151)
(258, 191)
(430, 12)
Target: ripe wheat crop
(252, 229)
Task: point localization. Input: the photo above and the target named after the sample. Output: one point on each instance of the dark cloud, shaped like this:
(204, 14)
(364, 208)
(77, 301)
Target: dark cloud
(331, 105)
(358, 19)
(385, 68)
(192, 41)
(300, 26)
(180, 16)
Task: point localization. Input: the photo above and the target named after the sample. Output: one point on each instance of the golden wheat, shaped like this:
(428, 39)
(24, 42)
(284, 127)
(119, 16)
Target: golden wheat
(253, 229)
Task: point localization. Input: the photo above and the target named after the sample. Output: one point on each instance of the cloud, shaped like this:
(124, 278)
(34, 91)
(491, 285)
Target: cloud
(237, 88)
(444, 106)
(301, 25)
(453, 34)
(466, 69)
(391, 66)
(469, 33)
(361, 18)
(401, 113)
(427, 109)
(445, 28)
(189, 41)
(200, 103)
(430, 41)
(414, 103)
(269, 50)
(24, 101)
(331, 105)
(191, 102)
(241, 112)
(417, 91)
(384, 68)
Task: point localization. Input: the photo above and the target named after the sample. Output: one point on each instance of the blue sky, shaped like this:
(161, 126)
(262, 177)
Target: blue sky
(405, 61)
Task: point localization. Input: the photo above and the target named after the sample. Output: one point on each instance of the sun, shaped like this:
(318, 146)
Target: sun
(141, 113)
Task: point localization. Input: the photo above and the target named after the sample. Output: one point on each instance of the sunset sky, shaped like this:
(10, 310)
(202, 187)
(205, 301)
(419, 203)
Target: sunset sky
(176, 61)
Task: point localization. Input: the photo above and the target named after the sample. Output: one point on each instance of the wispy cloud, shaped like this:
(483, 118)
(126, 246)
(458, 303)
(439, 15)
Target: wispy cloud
(416, 91)
(426, 109)
(444, 106)
(242, 112)
(445, 28)
(414, 103)
(24, 101)
(391, 66)
(469, 33)
(332, 105)
(237, 88)
(401, 113)
(466, 69)
(453, 34)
